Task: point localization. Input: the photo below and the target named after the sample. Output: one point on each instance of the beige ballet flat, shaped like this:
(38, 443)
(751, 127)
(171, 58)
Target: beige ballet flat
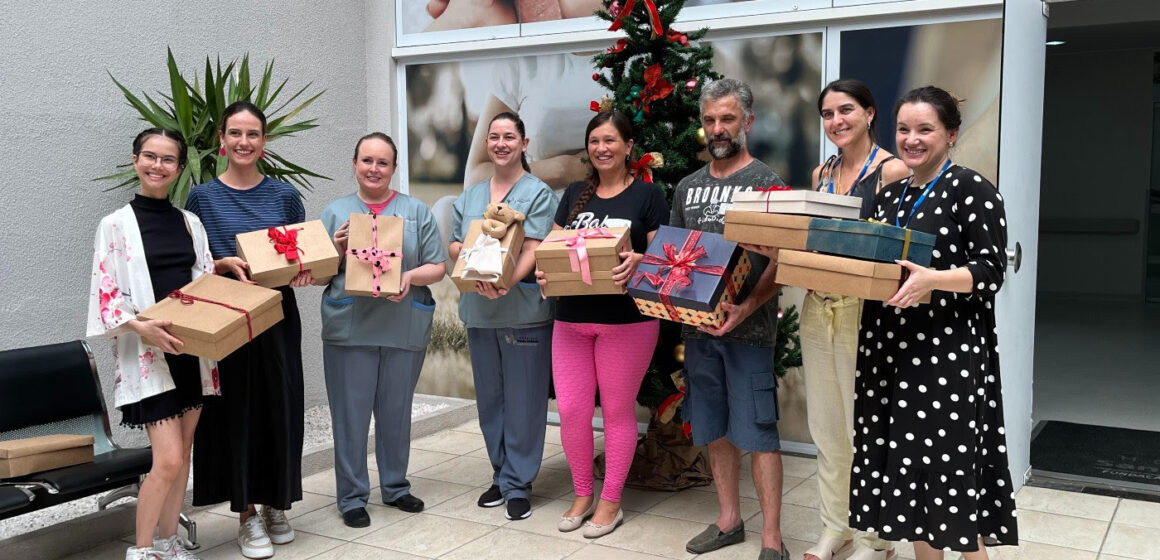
(568, 524)
(592, 530)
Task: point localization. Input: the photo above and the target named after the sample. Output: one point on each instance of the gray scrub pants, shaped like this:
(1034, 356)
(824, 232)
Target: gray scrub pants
(361, 380)
(512, 368)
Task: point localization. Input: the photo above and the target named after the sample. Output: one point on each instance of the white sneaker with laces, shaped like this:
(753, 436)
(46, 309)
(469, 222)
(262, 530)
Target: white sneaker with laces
(173, 548)
(277, 526)
(143, 553)
(253, 539)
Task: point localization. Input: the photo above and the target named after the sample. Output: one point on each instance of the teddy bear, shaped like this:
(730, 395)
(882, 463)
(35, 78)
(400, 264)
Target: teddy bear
(498, 217)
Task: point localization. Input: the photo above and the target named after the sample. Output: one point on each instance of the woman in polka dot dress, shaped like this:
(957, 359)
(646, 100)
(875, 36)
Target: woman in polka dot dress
(930, 463)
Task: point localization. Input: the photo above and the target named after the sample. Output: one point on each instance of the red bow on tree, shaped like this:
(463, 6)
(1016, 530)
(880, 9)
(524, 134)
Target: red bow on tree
(655, 87)
(620, 45)
(286, 243)
(653, 16)
(677, 37)
(643, 167)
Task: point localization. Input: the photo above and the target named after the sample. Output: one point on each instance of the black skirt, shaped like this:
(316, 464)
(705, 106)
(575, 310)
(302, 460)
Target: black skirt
(248, 445)
(186, 372)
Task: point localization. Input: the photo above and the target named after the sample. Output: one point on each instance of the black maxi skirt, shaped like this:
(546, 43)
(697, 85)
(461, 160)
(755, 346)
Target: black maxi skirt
(248, 444)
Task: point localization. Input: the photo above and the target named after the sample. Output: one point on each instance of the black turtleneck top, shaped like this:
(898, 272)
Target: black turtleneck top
(167, 243)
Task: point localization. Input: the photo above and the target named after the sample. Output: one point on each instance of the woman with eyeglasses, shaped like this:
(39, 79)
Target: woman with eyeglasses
(248, 447)
(144, 251)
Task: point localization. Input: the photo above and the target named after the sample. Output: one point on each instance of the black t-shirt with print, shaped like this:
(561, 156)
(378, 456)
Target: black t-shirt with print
(642, 208)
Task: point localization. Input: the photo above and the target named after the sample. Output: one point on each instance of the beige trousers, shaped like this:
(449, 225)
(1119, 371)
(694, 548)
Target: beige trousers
(829, 335)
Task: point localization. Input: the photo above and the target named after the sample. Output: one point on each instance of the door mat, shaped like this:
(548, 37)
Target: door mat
(1098, 452)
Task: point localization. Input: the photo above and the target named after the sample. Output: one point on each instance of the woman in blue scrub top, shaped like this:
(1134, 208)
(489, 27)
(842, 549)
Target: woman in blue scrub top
(509, 332)
(373, 348)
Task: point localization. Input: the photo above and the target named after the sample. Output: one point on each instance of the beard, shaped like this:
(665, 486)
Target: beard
(726, 151)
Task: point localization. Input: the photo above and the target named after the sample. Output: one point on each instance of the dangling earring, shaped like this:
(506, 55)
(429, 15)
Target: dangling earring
(262, 154)
(222, 151)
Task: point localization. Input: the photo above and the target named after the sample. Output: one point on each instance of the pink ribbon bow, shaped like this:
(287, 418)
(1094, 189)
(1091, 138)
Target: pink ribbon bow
(379, 259)
(578, 249)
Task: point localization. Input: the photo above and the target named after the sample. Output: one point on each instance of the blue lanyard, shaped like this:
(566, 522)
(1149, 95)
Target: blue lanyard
(861, 174)
(921, 199)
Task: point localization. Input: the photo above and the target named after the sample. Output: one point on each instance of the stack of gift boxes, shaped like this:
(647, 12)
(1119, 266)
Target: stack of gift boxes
(822, 244)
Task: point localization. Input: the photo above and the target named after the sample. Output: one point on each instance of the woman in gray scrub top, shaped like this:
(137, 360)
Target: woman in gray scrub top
(509, 332)
(373, 348)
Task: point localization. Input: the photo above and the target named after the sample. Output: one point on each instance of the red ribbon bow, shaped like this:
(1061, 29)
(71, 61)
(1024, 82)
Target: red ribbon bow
(188, 299)
(677, 37)
(286, 243)
(772, 189)
(379, 259)
(653, 16)
(578, 249)
(674, 269)
(655, 88)
(640, 168)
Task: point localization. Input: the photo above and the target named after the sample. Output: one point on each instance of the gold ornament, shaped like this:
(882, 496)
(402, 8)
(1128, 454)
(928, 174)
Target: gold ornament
(701, 137)
(679, 352)
(658, 160)
(605, 103)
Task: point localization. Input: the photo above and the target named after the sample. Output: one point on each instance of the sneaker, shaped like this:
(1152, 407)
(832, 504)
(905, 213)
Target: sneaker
(277, 526)
(492, 498)
(253, 540)
(518, 508)
(713, 538)
(144, 553)
(173, 548)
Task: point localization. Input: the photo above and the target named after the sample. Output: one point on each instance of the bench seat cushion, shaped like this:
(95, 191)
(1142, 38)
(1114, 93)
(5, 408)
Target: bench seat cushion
(123, 465)
(12, 499)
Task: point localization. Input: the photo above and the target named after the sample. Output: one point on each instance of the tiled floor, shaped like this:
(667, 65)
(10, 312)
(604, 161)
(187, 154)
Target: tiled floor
(449, 470)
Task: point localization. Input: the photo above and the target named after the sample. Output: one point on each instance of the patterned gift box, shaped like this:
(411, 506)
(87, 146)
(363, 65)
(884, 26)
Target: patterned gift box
(687, 274)
(510, 245)
(276, 255)
(374, 255)
(567, 256)
(840, 275)
(773, 230)
(875, 241)
(798, 201)
(214, 315)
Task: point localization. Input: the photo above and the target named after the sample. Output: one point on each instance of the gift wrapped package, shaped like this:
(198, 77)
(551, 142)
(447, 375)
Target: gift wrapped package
(374, 255)
(687, 274)
(214, 315)
(277, 255)
(784, 231)
(579, 262)
(803, 202)
(486, 259)
(19, 457)
(840, 275)
(875, 241)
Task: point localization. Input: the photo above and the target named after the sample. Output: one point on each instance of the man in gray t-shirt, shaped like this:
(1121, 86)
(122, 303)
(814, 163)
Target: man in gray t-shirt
(731, 401)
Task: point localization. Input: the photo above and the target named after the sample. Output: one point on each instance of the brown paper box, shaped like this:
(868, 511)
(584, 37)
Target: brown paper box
(213, 331)
(19, 457)
(359, 277)
(603, 256)
(513, 241)
(774, 230)
(840, 275)
(270, 268)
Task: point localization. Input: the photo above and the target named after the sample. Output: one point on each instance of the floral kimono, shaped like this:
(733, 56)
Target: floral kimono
(120, 288)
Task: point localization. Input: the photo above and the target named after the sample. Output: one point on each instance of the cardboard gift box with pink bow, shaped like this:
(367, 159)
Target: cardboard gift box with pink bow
(579, 262)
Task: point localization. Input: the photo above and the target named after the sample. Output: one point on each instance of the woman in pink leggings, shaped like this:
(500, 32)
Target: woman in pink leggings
(601, 341)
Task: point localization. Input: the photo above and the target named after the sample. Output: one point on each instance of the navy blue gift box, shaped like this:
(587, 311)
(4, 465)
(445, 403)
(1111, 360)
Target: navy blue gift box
(873, 241)
(699, 302)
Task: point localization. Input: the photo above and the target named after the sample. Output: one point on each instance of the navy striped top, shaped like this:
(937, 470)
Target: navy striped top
(226, 211)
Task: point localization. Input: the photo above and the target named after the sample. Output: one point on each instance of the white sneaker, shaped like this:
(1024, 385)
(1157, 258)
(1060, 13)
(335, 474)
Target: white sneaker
(253, 540)
(173, 548)
(277, 526)
(144, 553)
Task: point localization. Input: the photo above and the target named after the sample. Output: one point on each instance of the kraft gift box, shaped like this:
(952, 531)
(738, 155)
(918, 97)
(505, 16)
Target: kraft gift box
(510, 244)
(19, 457)
(784, 231)
(387, 251)
(276, 255)
(558, 256)
(840, 275)
(798, 201)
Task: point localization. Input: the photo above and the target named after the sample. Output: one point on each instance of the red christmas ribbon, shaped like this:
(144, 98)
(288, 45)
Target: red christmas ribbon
(772, 189)
(676, 399)
(377, 258)
(653, 16)
(286, 243)
(578, 249)
(656, 87)
(188, 299)
(621, 44)
(677, 37)
(641, 168)
(679, 266)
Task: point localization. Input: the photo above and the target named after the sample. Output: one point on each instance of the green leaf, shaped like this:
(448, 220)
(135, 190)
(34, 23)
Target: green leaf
(244, 78)
(264, 86)
(181, 103)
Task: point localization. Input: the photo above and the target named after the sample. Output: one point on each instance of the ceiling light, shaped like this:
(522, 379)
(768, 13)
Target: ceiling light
(1055, 43)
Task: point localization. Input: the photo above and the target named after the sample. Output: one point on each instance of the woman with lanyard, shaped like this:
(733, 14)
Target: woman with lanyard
(248, 446)
(602, 341)
(509, 332)
(144, 251)
(373, 348)
(829, 322)
(930, 461)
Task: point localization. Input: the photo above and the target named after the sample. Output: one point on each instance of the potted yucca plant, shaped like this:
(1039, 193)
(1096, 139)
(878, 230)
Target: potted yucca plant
(194, 110)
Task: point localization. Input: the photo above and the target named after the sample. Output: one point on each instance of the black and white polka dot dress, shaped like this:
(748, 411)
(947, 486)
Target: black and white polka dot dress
(930, 459)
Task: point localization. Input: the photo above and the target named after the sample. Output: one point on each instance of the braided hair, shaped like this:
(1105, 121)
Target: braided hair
(623, 126)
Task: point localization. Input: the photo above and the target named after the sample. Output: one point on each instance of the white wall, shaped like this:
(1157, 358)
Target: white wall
(63, 122)
(1097, 140)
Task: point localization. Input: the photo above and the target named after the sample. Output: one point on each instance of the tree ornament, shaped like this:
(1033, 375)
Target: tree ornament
(656, 87)
(596, 76)
(691, 85)
(701, 137)
(614, 9)
(605, 104)
(654, 17)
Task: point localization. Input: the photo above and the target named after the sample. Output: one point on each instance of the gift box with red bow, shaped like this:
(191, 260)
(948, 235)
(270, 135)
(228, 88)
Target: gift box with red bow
(214, 315)
(374, 255)
(687, 274)
(277, 255)
(579, 262)
(783, 200)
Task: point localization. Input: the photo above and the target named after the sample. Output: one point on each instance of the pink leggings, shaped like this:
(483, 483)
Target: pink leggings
(614, 358)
